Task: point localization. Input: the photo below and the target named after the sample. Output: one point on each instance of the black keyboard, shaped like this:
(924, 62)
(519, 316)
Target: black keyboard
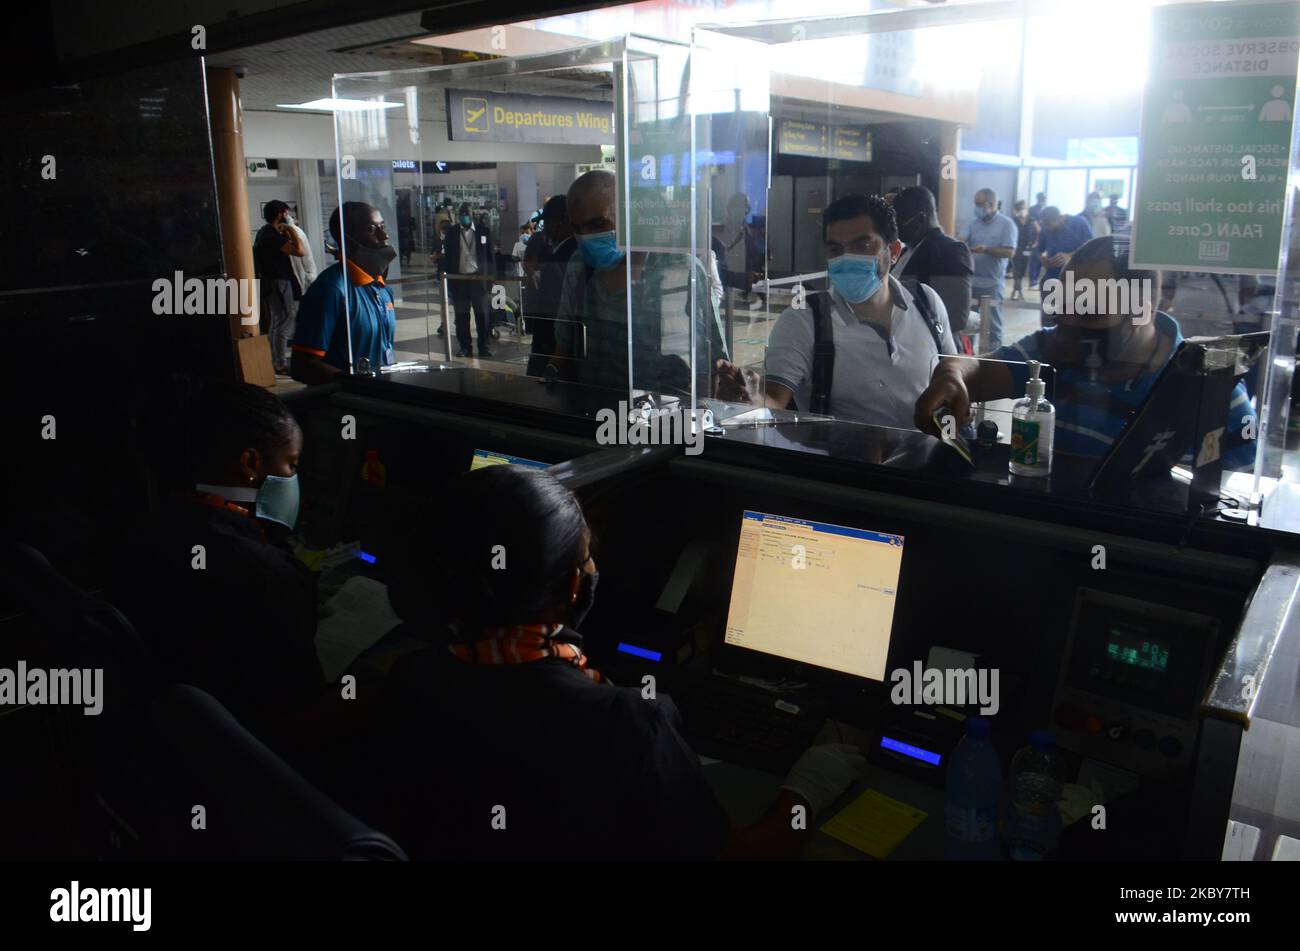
(741, 723)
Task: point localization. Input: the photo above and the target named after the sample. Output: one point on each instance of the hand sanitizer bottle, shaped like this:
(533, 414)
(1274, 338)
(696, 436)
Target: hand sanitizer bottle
(1033, 425)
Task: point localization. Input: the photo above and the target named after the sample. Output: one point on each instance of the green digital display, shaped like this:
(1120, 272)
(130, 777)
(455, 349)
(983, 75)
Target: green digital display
(1136, 651)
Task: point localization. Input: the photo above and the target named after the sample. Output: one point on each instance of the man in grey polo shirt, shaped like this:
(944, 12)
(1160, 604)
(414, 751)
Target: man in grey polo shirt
(992, 238)
(885, 343)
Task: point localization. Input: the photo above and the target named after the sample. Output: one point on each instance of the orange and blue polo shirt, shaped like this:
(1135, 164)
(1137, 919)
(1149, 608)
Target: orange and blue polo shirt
(331, 307)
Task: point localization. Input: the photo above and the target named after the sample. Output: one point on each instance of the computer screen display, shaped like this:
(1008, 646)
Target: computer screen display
(486, 457)
(815, 593)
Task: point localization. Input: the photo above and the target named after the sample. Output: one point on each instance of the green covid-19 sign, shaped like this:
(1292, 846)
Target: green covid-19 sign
(1215, 137)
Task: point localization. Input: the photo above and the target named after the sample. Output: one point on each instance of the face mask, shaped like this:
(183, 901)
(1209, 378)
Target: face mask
(600, 251)
(465, 221)
(586, 598)
(1094, 206)
(370, 260)
(277, 500)
(288, 219)
(856, 276)
(981, 212)
(524, 238)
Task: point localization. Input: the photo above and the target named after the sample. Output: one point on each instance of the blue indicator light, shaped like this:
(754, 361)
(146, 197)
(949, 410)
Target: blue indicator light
(915, 752)
(635, 651)
(366, 557)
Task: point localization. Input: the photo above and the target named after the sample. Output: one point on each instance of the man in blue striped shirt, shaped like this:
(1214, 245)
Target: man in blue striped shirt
(1106, 364)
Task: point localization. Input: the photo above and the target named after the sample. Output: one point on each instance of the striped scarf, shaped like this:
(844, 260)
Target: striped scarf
(524, 643)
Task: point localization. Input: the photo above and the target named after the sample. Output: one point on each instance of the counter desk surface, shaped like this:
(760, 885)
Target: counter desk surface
(844, 464)
(903, 462)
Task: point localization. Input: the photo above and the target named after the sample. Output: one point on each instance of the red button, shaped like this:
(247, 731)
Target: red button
(1068, 716)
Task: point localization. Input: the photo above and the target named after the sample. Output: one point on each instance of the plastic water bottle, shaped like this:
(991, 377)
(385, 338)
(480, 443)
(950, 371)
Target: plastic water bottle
(1036, 782)
(971, 796)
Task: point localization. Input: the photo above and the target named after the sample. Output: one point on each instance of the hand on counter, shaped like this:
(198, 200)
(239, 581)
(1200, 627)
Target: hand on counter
(823, 773)
(735, 384)
(947, 391)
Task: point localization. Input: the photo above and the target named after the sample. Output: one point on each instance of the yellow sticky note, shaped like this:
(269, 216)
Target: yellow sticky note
(874, 823)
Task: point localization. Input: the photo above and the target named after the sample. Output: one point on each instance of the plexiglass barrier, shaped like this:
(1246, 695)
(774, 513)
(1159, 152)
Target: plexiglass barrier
(912, 145)
(923, 172)
(561, 268)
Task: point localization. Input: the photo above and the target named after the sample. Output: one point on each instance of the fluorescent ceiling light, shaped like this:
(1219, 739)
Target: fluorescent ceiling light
(340, 105)
(494, 40)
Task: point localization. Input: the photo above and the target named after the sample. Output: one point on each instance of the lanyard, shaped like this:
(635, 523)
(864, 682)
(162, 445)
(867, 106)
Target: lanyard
(375, 328)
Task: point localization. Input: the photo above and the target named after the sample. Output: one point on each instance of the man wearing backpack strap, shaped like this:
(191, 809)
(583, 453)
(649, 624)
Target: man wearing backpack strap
(862, 350)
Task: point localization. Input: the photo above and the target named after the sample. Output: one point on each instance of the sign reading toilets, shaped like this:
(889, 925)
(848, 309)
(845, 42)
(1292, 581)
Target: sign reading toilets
(1215, 137)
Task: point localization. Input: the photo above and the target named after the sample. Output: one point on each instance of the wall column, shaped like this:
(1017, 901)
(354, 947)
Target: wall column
(309, 208)
(252, 351)
(947, 197)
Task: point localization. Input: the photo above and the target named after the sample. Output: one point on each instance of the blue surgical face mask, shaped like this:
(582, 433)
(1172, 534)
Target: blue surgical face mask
(856, 276)
(465, 221)
(600, 251)
(277, 500)
(981, 211)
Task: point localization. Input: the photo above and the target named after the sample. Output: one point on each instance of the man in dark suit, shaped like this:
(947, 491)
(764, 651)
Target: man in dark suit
(548, 256)
(467, 250)
(932, 257)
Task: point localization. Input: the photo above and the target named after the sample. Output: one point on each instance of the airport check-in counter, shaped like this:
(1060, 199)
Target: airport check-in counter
(1144, 621)
(1036, 580)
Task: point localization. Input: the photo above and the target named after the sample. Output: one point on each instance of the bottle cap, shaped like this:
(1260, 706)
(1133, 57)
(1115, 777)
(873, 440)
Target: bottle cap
(1035, 387)
(987, 433)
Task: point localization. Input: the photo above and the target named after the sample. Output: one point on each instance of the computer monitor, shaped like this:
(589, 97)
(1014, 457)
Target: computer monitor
(486, 457)
(815, 593)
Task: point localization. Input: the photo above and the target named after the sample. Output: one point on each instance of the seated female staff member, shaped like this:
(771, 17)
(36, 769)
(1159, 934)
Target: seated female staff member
(504, 722)
(1105, 365)
(240, 623)
(361, 306)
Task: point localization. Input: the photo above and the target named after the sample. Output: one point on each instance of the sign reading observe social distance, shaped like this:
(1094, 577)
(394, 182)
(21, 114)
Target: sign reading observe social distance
(1215, 137)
